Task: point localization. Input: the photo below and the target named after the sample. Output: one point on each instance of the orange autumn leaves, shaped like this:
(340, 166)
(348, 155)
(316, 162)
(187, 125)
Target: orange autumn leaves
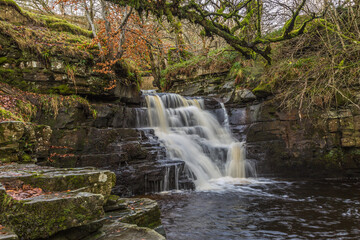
(119, 35)
(26, 191)
(136, 36)
(18, 190)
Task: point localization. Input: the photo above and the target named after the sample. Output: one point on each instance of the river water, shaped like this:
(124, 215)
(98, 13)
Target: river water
(263, 209)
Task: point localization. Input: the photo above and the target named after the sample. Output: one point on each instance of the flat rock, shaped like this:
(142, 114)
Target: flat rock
(116, 230)
(60, 179)
(45, 215)
(143, 212)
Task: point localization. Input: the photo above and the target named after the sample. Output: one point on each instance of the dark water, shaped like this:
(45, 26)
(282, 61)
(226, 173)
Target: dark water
(264, 209)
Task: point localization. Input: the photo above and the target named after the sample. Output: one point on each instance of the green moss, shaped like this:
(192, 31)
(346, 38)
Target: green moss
(6, 71)
(5, 114)
(3, 60)
(333, 158)
(59, 24)
(11, 3)
(67, 27)
(263, 89)
(26, 109)
(26, 158)
(62, 89)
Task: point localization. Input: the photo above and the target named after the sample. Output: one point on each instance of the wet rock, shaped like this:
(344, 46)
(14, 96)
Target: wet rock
(116, 230)
(79, 232)
(143, 212)
(43, 216)
(132, 154)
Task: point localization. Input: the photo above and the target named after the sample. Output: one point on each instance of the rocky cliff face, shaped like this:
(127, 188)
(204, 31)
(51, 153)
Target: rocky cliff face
(322, 144)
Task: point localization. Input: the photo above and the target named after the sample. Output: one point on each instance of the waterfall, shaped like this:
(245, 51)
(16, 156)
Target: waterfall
(195, 136)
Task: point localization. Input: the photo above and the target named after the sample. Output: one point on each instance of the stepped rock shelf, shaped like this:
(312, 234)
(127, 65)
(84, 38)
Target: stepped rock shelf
(44, 202)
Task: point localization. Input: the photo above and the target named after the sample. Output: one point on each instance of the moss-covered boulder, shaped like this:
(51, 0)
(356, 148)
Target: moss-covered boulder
(55, 179)
(45, 215)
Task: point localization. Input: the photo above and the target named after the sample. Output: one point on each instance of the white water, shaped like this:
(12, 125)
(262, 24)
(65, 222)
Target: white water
(195, 136)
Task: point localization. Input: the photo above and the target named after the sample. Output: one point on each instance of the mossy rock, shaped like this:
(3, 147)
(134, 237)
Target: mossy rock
(263, 89)
(11, 11)
(20, 142)
(11, 132)
(54, 179)
(67, 27)
(43, 216)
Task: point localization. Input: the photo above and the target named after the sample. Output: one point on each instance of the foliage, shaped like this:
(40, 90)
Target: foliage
(119, 34)
(320, 69)
(238, 22)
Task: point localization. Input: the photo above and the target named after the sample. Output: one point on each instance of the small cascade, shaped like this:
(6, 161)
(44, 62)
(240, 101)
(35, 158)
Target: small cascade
(195, 136)
(177, 170)
(236, 160)
(166, 179)
(226, 116)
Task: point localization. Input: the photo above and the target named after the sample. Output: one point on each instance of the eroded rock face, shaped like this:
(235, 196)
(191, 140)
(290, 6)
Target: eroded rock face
(23, 142)
(70, 206)
(134, 155)
(322, 144)
(210, 84)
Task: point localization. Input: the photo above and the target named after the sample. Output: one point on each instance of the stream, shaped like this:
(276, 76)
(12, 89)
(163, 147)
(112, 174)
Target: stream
(264, 209)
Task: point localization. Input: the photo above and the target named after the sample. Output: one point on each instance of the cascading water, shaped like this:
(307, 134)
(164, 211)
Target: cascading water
(195, 136)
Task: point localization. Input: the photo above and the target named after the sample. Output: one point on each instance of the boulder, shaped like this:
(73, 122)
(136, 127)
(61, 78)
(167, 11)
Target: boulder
(45, 215)
(243, 95)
